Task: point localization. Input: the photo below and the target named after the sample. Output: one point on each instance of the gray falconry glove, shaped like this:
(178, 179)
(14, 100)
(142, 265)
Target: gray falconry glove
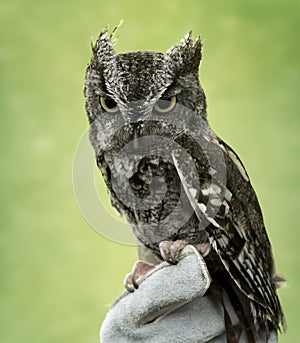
(169, 306)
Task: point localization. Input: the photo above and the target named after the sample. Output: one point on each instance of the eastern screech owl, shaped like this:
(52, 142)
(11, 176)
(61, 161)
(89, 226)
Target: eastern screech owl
(170, 175)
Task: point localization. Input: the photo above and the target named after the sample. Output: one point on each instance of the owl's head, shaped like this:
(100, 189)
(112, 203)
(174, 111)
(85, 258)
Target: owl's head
(138, 83)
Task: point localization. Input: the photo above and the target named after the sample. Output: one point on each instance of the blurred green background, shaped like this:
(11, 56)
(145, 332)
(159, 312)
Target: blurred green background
(58, 276)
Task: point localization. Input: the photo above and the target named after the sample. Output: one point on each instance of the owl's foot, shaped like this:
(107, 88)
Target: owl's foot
(204, 248)
(140, 269)
(170, 250)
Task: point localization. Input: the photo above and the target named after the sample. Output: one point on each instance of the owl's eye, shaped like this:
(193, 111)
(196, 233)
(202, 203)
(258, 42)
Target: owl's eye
(165, 105)
(108, 104)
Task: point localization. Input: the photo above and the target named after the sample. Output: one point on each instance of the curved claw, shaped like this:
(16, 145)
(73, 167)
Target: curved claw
(140, 269)
(170, 250)
(204, 249)
(128, 283)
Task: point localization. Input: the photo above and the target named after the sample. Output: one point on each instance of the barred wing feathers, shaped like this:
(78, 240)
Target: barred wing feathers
(238, 236)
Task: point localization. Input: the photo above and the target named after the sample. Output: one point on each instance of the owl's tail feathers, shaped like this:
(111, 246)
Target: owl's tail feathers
(217, 291)
(239, 310)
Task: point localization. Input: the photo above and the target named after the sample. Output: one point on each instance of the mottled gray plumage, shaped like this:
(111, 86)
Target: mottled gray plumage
(161, 195)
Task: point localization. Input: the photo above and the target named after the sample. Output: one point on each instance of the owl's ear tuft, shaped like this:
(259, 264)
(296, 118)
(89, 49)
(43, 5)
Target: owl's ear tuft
(186, 55)
(103, 52)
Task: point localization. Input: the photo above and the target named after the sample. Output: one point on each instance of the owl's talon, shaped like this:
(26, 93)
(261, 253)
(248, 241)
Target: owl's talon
(128, 283)
(204, 249)
(174, 251)
(140, 269)
(170, 250)
(164, 248)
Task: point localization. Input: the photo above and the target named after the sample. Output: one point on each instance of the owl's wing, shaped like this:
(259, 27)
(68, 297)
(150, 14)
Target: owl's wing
(238, 236)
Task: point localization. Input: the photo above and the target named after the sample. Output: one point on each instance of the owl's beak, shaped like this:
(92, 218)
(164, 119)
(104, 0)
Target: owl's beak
(135, 137)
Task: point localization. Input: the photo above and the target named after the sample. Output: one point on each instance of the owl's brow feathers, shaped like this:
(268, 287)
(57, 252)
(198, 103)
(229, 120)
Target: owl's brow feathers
(118, 69)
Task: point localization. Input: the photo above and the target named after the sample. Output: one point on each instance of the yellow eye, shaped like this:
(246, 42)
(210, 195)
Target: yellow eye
(108, 104)
(165, 105)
